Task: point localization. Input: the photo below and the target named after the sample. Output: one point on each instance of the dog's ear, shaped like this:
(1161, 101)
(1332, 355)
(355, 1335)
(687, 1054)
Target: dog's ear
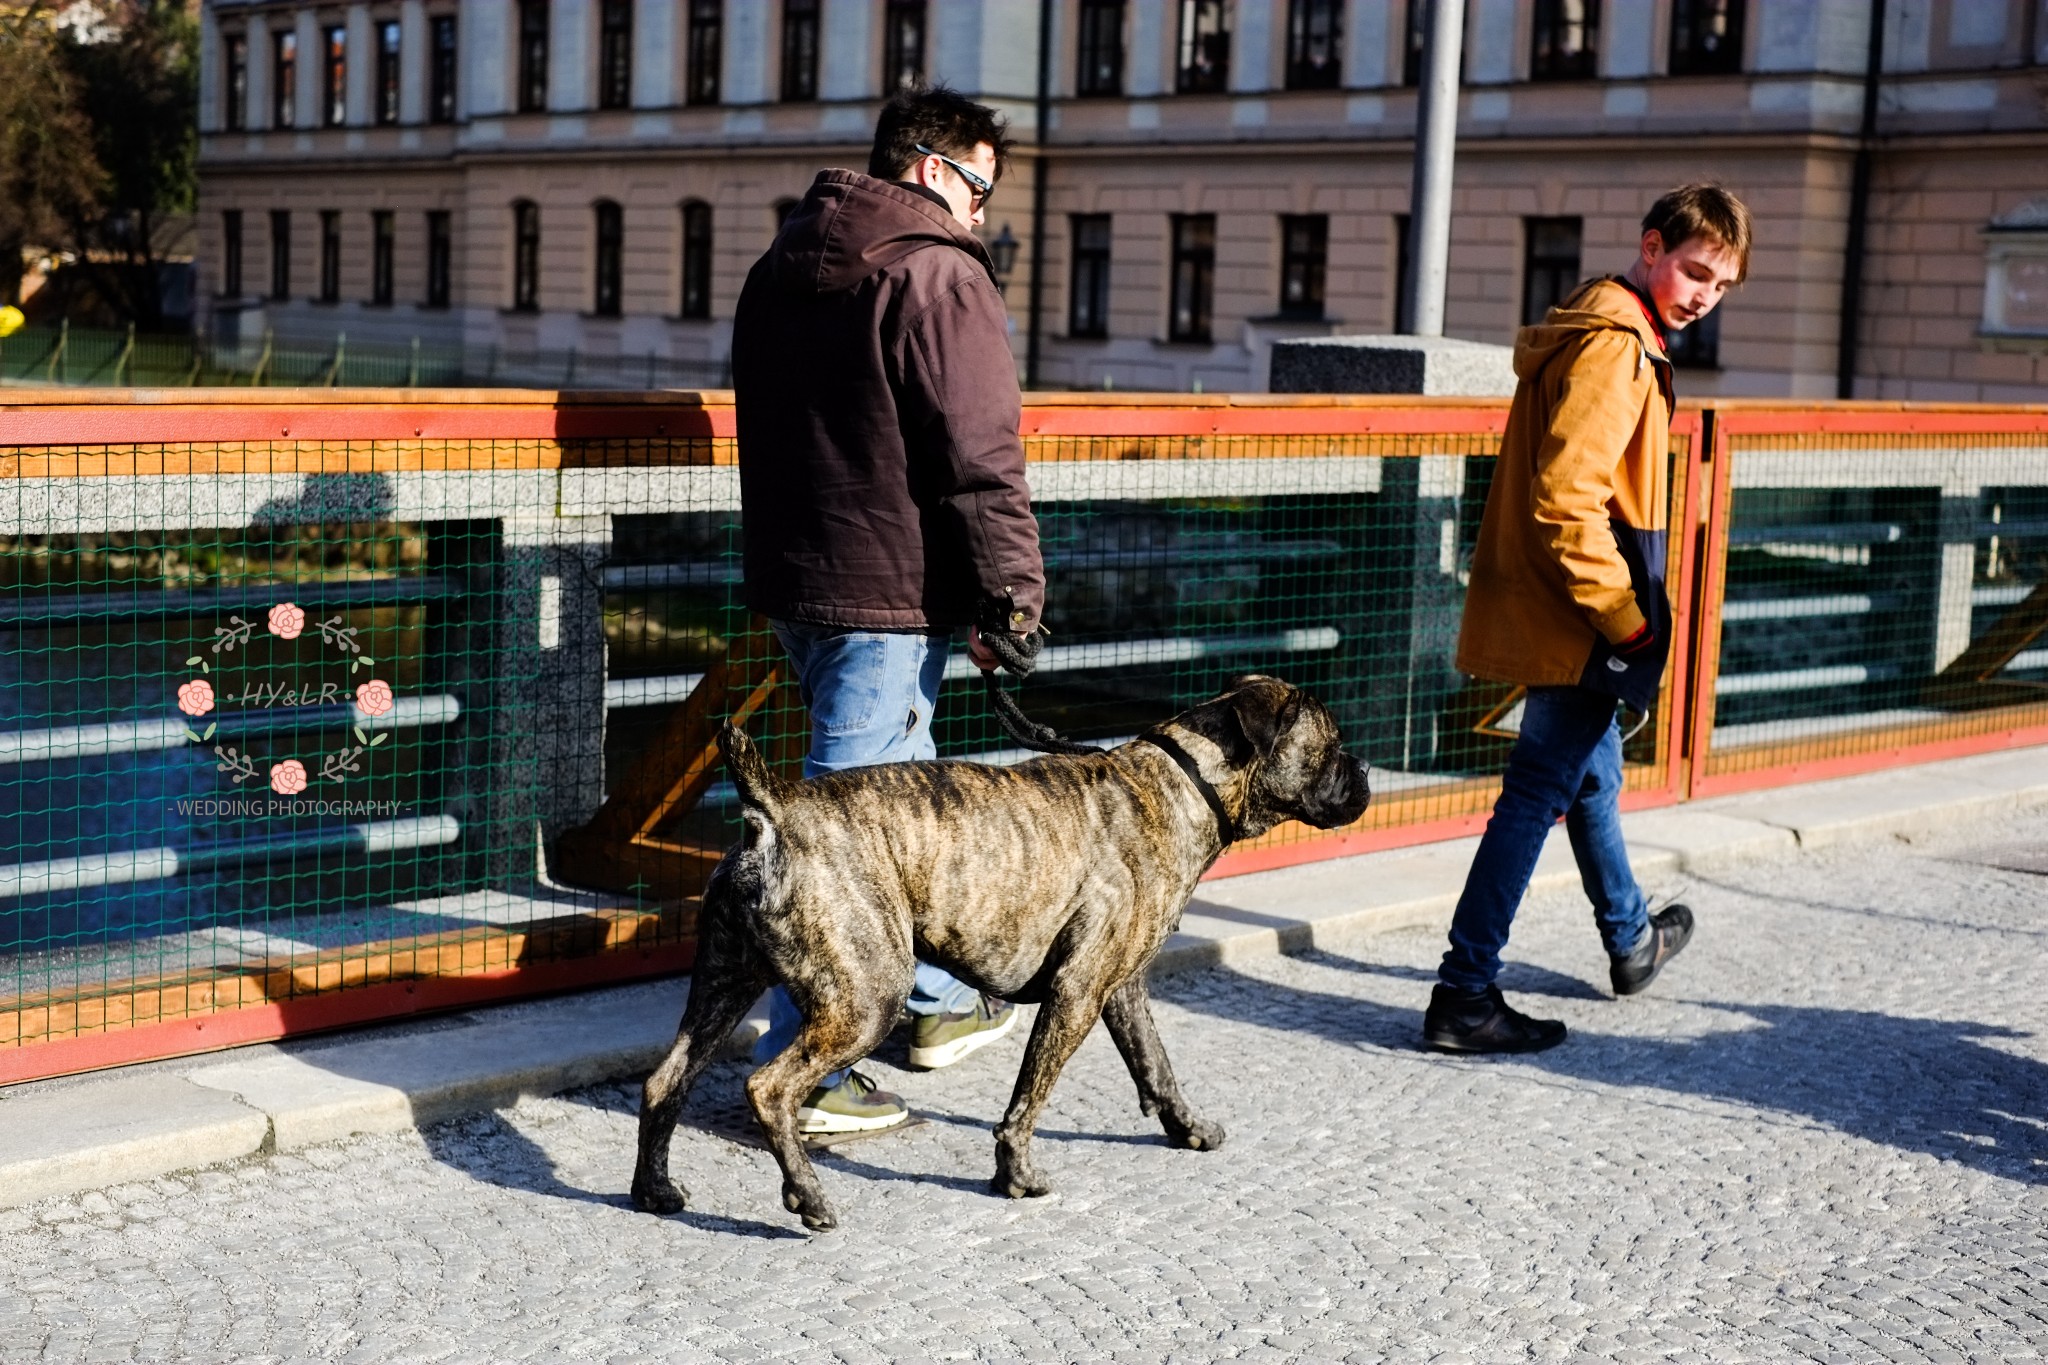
(1263, 714)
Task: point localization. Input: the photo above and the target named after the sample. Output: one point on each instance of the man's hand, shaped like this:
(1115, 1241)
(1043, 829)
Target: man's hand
(984, 658)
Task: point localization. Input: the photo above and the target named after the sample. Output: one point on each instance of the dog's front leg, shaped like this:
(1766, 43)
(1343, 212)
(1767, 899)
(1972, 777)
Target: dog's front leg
(1128, 1012)
(1063, 1021)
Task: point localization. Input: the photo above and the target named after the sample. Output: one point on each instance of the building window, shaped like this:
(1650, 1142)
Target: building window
(284, 80)
(280, 254)
(799, 49)
(706, 43)
(1099, 68)
(1304, 260)
(381, 254)
(387, 72)
(231, 253)
(441, 87)
(1404, 322)
(615, 55)
(235, 117)
(330, 256)
(1564, 41)
(1706, 37)
(440, 258)
(1204, 65)
(611, 253)
(2016, 272)
(903, 45)
(334, 105)
(1194, 277)
(1315, 44)
(1697, 347)
(1088, 302)
(696, 260)
(526, 257)
(1418, 37)
(533, 56)
(1550, 264)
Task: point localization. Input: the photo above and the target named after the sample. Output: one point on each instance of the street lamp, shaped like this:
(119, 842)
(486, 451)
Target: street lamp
(1002, 253)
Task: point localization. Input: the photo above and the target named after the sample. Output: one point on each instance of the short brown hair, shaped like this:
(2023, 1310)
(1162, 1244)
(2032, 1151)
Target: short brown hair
(940, 118)
(1704, 210)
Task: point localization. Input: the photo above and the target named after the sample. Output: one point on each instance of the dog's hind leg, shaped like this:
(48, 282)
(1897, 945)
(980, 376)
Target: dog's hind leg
(1063, 1021)
(729, 976)
(1128, 1012)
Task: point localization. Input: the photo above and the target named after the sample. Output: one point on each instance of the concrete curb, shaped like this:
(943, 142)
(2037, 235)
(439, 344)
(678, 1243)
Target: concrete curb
(64, 1137)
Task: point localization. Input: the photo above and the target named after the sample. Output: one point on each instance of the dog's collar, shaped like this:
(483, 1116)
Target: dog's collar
(1226, 827)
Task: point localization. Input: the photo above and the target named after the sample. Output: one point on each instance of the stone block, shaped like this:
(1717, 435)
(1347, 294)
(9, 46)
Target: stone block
(1431, 366)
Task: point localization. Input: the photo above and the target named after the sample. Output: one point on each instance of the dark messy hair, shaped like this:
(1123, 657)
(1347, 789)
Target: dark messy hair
(942, 119)
(1703, 210)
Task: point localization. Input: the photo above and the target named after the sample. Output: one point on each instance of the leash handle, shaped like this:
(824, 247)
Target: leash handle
(1026, 731)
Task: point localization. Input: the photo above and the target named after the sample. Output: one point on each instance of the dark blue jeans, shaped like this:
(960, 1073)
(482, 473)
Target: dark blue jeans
(1566, 763)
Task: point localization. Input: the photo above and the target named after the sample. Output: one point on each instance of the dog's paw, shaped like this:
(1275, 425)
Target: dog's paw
(665, 1197)
(1020, 1185)
(1198, 1135)
(811, 1206)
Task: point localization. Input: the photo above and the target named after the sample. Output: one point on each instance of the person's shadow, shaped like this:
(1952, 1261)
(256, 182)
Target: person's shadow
(1924, 1085)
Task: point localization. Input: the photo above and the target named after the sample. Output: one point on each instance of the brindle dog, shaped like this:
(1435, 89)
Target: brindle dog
(1053, 882)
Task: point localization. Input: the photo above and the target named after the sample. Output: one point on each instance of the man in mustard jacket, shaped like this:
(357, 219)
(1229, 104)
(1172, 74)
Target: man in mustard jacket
(1567, 599)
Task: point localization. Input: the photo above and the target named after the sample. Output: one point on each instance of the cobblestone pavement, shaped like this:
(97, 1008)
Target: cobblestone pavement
(1824, 1134)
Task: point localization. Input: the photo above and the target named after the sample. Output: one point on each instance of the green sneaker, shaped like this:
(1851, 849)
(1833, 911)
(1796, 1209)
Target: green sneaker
(943, 1039)
(854, 1105)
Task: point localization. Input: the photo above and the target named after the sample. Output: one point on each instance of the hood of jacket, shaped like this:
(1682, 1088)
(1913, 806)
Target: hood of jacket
(849, 226)
(1599, 305)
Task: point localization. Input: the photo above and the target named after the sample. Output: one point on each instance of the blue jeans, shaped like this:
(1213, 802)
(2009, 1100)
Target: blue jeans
(1567, 762)
(870, 695)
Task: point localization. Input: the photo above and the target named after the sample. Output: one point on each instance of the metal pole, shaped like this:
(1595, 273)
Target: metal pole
(1040, 171)
(1436, 145)
(1859, 214)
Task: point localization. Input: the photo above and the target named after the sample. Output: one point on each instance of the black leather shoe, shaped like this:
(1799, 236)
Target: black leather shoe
(1670, 930)
(1484, 1022)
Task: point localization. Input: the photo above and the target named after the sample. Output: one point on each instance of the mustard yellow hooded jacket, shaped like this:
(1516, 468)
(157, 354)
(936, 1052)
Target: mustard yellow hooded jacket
(1571, 552)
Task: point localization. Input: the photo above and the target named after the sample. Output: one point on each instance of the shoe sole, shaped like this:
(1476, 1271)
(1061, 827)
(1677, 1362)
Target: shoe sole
(1464, 1049)
(945, 1054)
(820, 1123)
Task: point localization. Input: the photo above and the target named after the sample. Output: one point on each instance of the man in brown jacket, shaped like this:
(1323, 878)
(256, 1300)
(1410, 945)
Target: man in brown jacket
(1567, 599)
(882, 493)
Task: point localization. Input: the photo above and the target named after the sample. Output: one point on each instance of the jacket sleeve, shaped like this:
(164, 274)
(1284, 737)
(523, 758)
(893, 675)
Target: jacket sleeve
(1602, 389)
(959, 397)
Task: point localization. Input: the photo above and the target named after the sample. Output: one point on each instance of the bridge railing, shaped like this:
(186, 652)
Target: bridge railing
(494, 632)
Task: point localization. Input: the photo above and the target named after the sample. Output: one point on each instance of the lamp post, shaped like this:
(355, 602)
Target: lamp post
(1002, 253)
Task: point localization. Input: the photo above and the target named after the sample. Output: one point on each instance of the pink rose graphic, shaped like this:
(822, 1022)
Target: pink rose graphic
(288, 778)
(287, 620)
(374, 697)
(195, 698)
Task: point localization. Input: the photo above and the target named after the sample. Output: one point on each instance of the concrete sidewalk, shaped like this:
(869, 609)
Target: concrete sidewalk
(64, 1136)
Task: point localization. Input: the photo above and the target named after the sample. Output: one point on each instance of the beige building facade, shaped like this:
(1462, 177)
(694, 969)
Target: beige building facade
(598, 175)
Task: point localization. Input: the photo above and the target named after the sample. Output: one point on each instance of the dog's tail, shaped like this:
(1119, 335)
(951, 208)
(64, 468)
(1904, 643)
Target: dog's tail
(758, 788)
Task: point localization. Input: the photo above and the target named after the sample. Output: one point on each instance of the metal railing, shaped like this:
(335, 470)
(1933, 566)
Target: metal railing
(545, 588)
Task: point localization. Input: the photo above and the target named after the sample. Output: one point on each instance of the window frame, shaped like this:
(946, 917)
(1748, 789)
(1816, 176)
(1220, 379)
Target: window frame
(1189, 77)
(235, 82)
(801, 21)
(440, 259)
(1089, 54)
(903, 64)
(615, 54)
(695, 300)
(330, 257)
(1191, 278)
(1088, 276)
(334, 76)
(1302, 73)
(1547, 28)
(390, 47)
(231, 253)
(608, 257)
(704, 59)
(1686, 58)
(525, 256)
(1312, 264)
(280, 255)
(284, 78)
(445, 64)
(532, 67)
(1549, 264)
(383, 257)
(1698, 346)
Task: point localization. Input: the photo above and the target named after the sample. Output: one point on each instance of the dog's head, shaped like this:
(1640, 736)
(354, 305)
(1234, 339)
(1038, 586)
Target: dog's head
(1287, 749)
